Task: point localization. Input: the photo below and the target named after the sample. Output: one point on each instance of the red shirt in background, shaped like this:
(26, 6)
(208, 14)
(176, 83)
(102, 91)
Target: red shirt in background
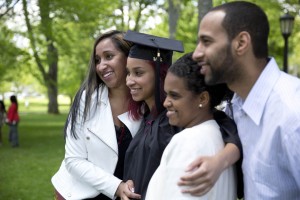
(12, 113)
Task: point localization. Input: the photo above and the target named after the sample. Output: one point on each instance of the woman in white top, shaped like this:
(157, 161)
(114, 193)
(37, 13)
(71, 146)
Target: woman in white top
(101, 123)
(190, 104)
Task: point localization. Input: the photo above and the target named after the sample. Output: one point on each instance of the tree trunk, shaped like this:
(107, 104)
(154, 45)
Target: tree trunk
(203, 7)
(52, 56)
(52, 96)
(50, 77)
(173, 11)
(143, 4)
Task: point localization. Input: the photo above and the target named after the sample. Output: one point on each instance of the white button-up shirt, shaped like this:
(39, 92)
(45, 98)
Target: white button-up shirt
(268, 122)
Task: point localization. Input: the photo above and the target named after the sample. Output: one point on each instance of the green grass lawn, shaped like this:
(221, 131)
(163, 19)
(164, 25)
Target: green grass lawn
(25, 172)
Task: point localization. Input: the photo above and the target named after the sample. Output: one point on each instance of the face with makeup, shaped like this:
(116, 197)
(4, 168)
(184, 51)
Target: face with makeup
(110, 64)
(141, 80)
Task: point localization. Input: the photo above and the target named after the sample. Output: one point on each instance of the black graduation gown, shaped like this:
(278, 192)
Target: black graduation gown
(230, 135)
(145, 150)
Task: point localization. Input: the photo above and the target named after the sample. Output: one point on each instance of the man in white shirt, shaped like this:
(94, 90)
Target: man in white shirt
(233, 49)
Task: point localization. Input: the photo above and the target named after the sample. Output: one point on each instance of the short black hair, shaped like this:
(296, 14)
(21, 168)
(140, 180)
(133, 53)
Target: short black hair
(245, 16)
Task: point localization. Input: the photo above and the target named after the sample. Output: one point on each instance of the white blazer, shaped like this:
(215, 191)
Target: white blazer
(90, 160)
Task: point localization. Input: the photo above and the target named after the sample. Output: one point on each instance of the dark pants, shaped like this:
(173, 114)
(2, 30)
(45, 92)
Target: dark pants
(13, 135)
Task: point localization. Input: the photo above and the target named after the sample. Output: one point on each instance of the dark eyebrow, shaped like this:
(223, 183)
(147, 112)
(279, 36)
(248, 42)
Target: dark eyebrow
(204, 37)
(137, 67)
(108, 51)
(173, 93)
(134, 68)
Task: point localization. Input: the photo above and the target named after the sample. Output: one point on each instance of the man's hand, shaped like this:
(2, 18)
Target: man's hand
(201, 175)
(126, 191)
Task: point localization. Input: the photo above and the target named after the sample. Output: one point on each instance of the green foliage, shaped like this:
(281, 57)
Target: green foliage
(294, 62)
(11, 56)
(187, 30)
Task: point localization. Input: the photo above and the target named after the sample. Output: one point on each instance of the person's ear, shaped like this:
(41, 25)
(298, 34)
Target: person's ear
(203, 99)
(242, 42)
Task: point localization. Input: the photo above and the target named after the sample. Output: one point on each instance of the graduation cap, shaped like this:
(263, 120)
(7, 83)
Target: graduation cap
(153, 48)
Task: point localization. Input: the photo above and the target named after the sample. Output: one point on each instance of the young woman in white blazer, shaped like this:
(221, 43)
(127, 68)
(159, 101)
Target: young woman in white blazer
(100, 125)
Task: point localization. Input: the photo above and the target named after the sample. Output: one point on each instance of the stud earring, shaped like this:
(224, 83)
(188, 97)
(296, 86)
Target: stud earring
(200, 105)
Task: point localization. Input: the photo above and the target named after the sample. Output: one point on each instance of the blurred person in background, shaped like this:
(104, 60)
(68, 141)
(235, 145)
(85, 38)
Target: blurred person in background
(12, 120)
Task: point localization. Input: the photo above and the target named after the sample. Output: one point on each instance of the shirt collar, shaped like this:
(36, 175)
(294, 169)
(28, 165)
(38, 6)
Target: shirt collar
(256, 100)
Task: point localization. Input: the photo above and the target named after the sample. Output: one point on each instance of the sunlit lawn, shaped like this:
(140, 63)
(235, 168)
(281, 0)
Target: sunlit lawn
(25, 172)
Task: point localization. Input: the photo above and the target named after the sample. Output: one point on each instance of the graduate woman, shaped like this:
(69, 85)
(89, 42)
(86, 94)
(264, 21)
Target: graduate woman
(146, 73)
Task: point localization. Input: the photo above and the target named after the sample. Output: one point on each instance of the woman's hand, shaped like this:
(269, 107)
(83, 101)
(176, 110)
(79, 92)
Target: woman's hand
(126, 191)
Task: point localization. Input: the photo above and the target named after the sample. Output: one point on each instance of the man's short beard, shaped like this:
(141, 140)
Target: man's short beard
(215, 78)
(225, 73)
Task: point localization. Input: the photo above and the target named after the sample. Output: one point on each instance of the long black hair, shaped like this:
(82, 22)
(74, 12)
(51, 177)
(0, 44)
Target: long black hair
(92, 81)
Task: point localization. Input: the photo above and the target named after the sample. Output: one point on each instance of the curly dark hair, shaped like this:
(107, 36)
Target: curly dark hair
(188, 69)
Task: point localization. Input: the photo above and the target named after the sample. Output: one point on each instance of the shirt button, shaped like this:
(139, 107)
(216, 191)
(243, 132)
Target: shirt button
(87, 137)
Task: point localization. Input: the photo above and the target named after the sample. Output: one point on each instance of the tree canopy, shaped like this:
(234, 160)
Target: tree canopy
(49, 42)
